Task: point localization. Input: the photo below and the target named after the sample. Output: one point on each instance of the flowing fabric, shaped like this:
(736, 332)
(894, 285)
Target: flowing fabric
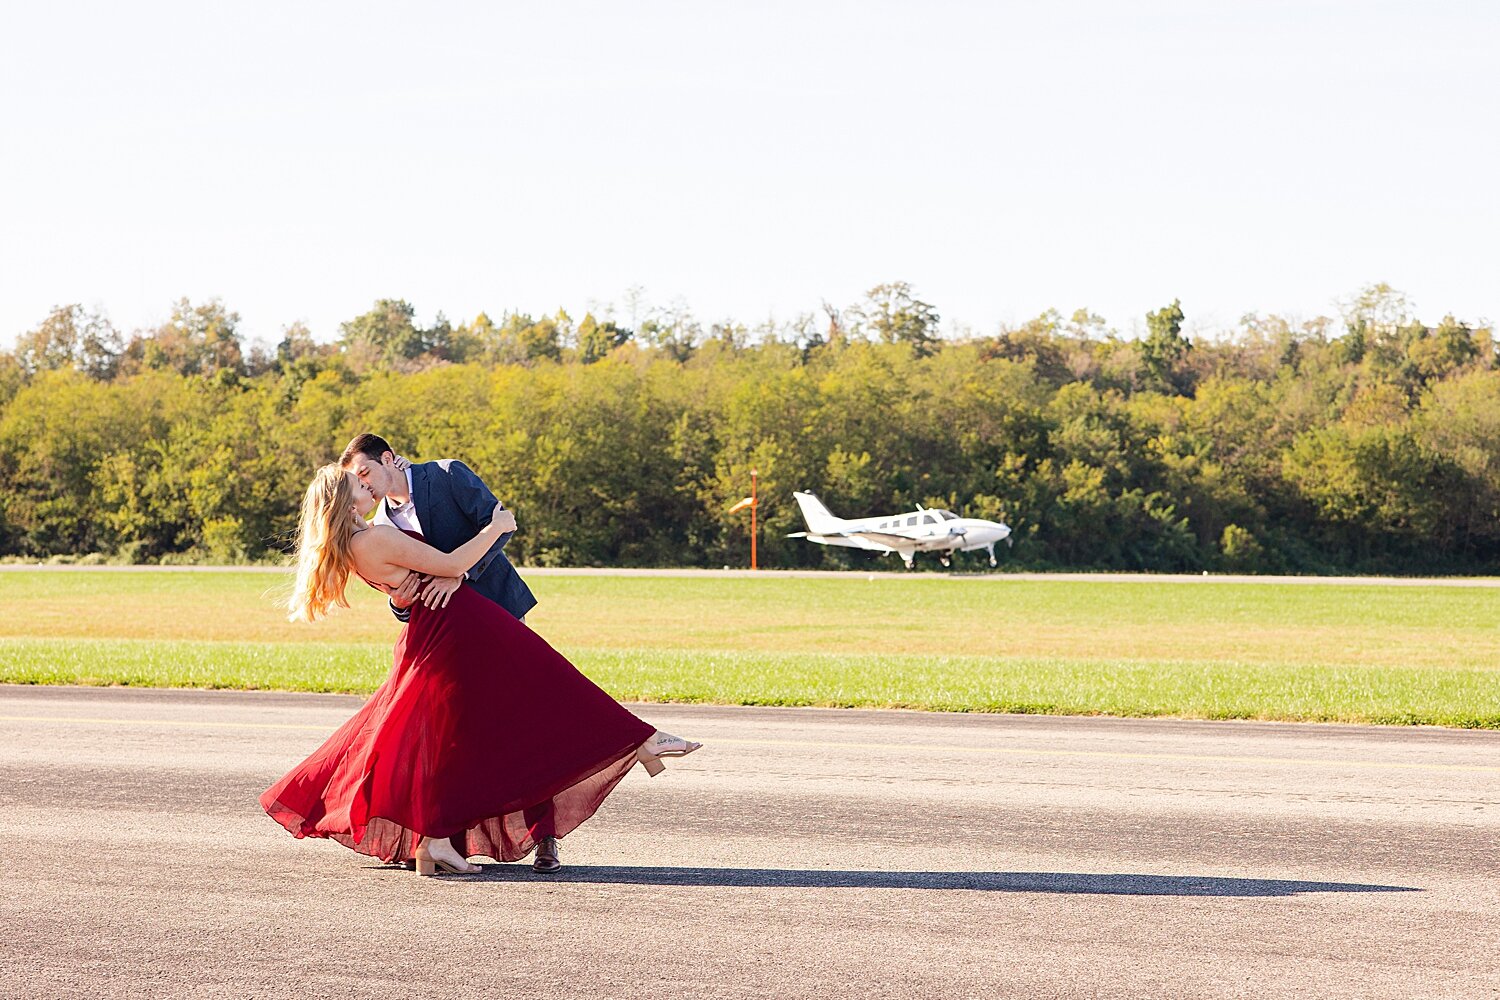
(483, 733)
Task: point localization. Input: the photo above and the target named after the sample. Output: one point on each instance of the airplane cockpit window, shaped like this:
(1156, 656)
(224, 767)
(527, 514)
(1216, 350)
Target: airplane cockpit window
(948, 515)
(929, 519)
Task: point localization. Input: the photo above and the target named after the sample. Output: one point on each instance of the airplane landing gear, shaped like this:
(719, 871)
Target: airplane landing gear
(993, 561)
(945, 561)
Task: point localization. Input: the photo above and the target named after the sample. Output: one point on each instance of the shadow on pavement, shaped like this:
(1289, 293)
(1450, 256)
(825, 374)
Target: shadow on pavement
(1066, 882)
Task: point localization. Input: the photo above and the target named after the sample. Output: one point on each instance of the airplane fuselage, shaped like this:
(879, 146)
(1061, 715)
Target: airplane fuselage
(920, 530)
(960, 534)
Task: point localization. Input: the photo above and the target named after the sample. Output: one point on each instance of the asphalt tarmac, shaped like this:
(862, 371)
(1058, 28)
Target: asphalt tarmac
(802, 853)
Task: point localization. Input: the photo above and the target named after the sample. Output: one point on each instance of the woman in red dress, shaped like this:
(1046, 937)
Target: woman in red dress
(484, 740)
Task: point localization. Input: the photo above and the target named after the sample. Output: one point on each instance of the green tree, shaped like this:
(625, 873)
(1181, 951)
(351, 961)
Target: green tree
(519, 339)
(57, 433)
(1459, 420)
(1434, 353)
(386, 336)
(1291, 453)
(1383, 494)
(892, 314)
(673, 330)
(12, 377)
(1164, 346)
(196, 340)
(596, 339)
(71, 337)
(541, 340)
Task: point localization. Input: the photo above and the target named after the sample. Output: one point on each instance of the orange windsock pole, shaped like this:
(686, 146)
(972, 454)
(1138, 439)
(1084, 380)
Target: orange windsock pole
(751, 501)
(753, 504)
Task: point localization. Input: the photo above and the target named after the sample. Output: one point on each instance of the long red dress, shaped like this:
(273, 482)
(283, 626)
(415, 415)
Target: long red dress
(483, 733)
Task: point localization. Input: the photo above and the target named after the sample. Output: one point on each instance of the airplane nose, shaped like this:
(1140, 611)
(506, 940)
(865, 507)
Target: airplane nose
(987, 533)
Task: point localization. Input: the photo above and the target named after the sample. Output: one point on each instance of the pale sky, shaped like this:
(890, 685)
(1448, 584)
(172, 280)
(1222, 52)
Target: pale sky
(300, 161)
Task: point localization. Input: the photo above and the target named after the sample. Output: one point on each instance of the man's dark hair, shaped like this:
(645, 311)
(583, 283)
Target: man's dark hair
(370, 445)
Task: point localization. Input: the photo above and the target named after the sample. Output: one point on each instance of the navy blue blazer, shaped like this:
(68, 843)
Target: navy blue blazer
(452, 503)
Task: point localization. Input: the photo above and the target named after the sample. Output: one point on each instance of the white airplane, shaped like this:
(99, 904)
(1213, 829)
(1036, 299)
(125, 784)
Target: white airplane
(923, 530)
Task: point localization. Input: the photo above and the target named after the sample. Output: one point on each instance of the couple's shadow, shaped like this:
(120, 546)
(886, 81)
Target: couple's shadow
(1078, 883)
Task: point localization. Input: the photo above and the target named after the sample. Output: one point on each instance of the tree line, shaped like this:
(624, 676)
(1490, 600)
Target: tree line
(1364, 443)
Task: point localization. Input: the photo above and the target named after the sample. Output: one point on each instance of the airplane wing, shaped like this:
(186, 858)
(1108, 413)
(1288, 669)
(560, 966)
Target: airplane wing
(855, 540)
(882, 537)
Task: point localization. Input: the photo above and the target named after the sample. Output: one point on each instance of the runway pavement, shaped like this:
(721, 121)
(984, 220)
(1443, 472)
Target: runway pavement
(802, 853)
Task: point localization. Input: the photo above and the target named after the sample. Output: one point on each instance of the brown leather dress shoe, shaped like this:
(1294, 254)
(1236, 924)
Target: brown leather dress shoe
(547, 861)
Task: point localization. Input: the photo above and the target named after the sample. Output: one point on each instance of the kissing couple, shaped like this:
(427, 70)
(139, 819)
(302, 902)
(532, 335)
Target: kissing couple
(484, 741)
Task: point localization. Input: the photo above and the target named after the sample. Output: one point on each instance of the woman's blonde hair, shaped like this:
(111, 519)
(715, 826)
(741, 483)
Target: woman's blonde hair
(324, 537)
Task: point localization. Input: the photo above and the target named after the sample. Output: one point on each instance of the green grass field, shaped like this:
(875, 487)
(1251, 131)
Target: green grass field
(1327, 652)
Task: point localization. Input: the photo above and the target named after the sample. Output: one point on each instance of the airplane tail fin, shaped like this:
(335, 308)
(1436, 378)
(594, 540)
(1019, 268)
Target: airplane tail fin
(819, 520)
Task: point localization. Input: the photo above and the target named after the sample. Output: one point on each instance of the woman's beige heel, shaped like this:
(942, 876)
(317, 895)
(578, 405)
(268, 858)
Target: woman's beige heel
(431, 866)
(650, 762)
(662, 745)
(426, 864)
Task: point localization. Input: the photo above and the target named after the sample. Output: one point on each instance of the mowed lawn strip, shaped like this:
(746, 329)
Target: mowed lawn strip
(1264, 651)
(1206, 690)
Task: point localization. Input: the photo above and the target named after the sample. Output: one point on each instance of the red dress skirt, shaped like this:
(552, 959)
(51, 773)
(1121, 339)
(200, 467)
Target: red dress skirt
(482, 733)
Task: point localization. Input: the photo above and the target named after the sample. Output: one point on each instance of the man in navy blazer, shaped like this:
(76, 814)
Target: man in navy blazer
(448, 504)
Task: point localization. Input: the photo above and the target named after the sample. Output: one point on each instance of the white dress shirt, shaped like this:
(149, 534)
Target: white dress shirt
(404, 515)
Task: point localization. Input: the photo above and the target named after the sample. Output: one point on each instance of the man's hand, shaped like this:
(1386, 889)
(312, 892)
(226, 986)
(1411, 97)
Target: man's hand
(439, 589)
(404, 596)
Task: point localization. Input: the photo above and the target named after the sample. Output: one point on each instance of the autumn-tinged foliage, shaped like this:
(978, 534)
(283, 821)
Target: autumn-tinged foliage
(1367, 444)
